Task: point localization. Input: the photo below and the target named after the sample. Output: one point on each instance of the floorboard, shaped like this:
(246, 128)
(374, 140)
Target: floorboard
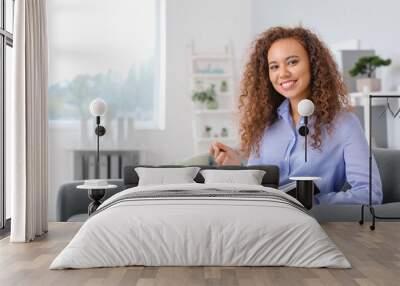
(374, 255)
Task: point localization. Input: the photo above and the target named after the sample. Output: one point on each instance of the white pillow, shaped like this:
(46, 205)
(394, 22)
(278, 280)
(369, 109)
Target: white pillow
(162, 176)
(249, 177)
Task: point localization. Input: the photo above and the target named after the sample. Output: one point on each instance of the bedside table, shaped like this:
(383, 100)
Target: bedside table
(305, 190)
(95, 193)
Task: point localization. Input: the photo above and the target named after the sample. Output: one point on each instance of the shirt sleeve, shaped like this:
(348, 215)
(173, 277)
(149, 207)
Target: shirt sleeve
(356, 159)
(254, 159)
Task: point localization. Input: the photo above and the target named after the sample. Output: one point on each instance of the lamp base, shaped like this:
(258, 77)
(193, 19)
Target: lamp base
(95, 196)
(305, 193)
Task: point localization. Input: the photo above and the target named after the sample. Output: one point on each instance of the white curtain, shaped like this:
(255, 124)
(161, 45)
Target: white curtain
(28, 122)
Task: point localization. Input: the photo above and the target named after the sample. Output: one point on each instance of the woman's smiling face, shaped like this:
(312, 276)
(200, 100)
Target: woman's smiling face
(289, 69)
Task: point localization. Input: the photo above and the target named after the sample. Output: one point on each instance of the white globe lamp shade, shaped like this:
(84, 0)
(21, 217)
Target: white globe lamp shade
(305, 107)
(98, 107)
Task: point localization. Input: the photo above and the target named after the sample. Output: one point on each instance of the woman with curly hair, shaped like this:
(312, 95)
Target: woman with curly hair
(286, 66)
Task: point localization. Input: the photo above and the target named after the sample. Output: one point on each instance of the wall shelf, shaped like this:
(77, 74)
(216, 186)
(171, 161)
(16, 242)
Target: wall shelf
(211, 76)
(214, 111)
(361, 99)
(211, 57)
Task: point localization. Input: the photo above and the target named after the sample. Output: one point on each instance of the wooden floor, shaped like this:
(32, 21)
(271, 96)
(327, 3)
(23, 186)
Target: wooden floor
(374, 255)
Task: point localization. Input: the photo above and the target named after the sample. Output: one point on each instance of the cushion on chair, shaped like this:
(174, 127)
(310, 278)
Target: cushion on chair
(388, 161)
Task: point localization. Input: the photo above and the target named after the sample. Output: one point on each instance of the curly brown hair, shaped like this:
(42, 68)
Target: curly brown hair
(258, 100)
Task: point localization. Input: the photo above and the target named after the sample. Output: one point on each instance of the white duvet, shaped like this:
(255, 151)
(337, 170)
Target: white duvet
(200, 231)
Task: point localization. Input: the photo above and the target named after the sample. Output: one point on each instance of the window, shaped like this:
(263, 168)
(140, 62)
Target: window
(6, 43)
(112, 49)
(107, 49)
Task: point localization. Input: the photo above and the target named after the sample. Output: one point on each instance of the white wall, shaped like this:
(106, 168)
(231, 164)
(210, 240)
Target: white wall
(210, 25)
(375, 23)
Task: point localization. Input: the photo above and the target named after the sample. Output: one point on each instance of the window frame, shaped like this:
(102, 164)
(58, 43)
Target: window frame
(6, 39)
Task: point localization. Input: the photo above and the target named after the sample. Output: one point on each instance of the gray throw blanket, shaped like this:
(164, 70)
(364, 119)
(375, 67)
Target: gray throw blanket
(205, 193)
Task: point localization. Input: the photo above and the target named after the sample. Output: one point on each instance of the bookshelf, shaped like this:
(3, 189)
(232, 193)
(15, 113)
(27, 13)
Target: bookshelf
(217, 123)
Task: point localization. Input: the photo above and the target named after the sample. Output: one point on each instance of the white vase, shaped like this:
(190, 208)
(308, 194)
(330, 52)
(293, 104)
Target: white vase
(368, 84)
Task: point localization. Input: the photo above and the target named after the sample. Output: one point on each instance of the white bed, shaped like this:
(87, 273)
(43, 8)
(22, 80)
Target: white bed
(183, 231)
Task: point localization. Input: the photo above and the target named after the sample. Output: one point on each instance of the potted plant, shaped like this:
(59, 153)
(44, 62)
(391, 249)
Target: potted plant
(207, 131)
(207, 97)
(200, 98)
(365, 67)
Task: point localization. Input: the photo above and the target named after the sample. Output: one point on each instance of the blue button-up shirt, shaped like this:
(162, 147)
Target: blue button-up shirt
(344, 157)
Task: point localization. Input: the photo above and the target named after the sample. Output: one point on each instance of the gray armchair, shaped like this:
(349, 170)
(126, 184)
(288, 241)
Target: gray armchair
(388, 161)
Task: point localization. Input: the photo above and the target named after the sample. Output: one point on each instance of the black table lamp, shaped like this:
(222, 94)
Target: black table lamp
(98, 107)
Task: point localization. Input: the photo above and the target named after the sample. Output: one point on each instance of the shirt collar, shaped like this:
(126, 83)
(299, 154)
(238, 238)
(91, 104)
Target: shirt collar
(283, 108)
(283, 111)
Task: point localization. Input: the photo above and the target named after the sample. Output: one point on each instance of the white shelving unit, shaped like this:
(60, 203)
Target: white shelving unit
(216, 69)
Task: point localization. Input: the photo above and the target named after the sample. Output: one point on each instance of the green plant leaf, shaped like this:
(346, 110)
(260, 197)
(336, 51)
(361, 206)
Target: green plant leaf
(367, 65)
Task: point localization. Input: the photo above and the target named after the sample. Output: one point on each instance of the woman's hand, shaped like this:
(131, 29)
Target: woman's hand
(223, 154)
